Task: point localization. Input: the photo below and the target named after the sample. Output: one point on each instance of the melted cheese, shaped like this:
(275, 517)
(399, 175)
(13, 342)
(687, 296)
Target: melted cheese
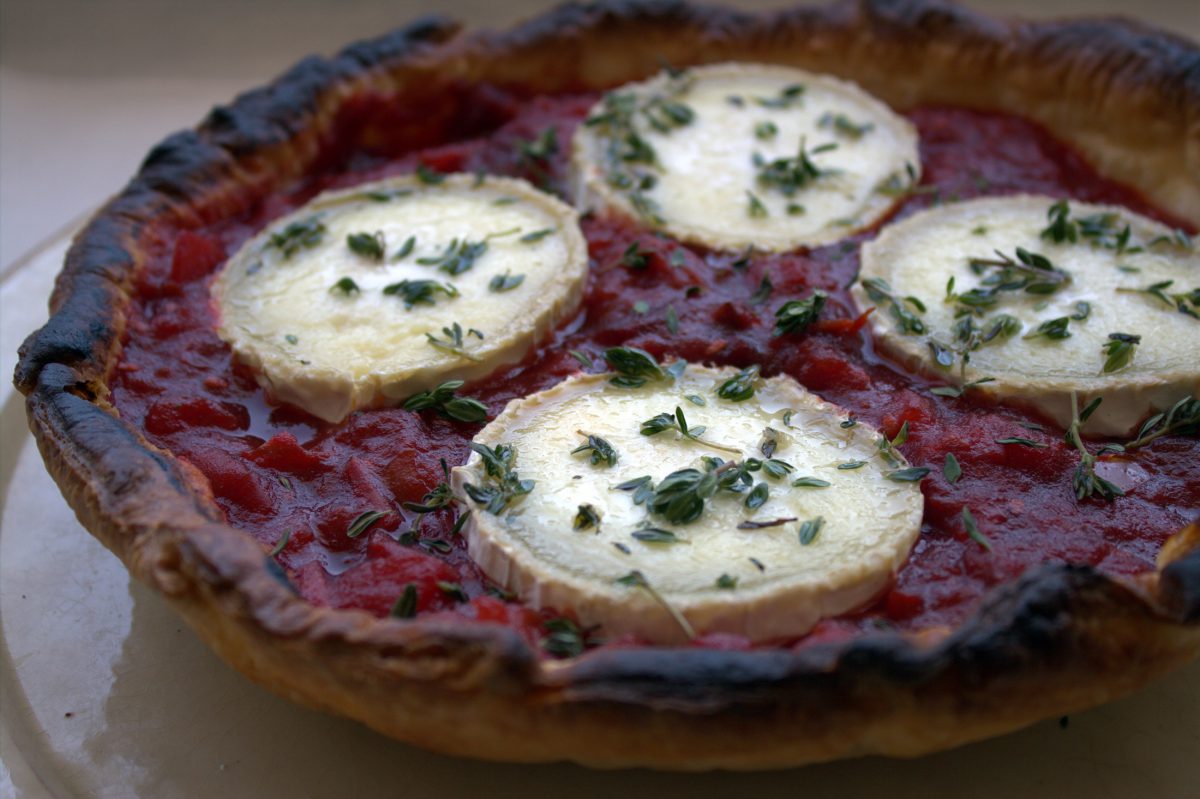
(317, 319)
(918, 256)
(706, 171)
(781, 587)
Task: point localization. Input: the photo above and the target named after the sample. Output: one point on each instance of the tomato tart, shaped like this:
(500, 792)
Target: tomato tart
(662, 385)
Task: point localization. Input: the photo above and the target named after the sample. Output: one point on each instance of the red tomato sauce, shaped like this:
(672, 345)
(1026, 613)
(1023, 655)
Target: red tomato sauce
(296, 483)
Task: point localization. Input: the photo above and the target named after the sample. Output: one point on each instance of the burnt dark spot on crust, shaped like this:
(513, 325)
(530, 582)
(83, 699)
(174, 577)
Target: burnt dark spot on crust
(103, 448)
(1180, 584)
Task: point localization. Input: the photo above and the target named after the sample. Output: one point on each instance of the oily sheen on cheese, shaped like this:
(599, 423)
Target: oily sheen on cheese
(1107, 271)
(762, 582)
(732, 156)
(353, 300)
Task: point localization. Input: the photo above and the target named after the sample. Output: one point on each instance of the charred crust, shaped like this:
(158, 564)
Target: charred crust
(1028, 625)
(1025, 645)
(1180, 586)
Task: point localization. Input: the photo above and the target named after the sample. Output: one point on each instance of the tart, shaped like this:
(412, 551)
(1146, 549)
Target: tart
(1047, 577)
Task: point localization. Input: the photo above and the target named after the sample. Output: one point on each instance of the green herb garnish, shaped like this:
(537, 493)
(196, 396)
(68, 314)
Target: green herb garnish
(598, 449)
(298, 235)
(1085, 481)
(740, 387)
(950, 469)
(844, 126)
(1118, 350)
(789, 175)
(633, 366)
(419, 292)
(368, 245)
(796, 315)
(810, 528)
(501, 484)
(635, 579)
(406, 604)
(443, 401)
(972, 529)
(913, 474)
(458, 257)
(506, 282)
(452, 340)
(586, 518)
(364, 521)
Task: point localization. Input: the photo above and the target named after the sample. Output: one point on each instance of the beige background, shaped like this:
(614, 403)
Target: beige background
(103, 693)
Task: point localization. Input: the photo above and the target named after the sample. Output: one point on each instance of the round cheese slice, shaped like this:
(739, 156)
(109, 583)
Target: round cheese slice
(732, 156)
(1026, 271)
(366, 296)
(585, 539)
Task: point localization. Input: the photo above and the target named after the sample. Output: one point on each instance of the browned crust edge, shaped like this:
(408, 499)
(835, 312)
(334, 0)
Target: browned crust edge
(1057, 640)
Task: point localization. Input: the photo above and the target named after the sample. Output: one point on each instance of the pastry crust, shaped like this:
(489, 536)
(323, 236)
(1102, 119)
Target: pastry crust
(1059, 639)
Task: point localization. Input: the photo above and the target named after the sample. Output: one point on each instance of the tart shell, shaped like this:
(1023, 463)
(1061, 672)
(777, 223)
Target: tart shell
(1059, 639)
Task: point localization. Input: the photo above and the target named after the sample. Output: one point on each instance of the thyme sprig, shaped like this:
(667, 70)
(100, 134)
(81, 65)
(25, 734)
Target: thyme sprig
(501, 484)
(299, 235)
(1085, 481)
(740, 387)
(1186, 302)
(678, 421)
(789, 175)
(1030, 272)
(598, 449)
(1101, 230)
(795, 316)
(458, 257)
(879, 291)
(633, 366)
(630, 161)
(566, 639)
(1183, 418)
(842, 125)
(419, 292)
(448, 406)
(453, 341)
(635, 579)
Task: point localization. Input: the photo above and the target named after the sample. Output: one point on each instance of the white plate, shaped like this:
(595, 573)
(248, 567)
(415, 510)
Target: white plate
(107, 693)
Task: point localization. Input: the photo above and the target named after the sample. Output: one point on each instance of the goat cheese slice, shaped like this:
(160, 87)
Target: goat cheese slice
(585, 540)
(366, 296)
(732, 156)
(1048, 299)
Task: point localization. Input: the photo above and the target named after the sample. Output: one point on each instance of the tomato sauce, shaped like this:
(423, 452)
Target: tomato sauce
(297, 484)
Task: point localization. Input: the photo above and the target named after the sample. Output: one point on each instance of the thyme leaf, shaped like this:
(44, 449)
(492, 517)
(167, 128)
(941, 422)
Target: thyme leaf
(1118, 351)
(968, 520)
(364, 521)
(740, 387)
(368, 245)
(633, 366)
(809, 530)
